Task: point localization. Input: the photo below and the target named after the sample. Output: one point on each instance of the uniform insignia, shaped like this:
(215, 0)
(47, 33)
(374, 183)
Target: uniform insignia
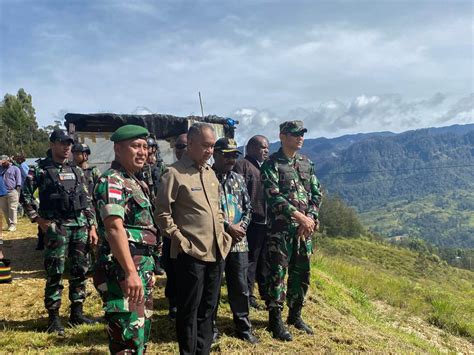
(115, 191)
(66, 176)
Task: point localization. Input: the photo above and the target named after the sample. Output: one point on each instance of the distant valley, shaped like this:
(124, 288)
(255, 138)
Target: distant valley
(417, 183)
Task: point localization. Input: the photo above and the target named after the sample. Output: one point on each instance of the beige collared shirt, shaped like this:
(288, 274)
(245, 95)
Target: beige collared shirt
(188, 211)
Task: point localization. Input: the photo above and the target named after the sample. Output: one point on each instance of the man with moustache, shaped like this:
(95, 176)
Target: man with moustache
(66, 216)
(124, 270)
(249, 168)
(188, 212)
(293, 197)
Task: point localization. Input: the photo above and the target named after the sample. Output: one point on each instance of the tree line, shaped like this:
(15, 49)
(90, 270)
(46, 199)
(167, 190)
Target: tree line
(19, 130)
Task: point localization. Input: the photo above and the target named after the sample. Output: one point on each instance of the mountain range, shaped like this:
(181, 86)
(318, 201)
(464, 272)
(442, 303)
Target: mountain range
(423, 179)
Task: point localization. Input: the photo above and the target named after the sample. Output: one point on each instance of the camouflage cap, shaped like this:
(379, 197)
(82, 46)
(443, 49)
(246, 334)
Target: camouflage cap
(292, 127)
(129, 131)
(226, 145)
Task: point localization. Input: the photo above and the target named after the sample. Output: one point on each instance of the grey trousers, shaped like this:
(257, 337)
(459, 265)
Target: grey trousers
(9, 207)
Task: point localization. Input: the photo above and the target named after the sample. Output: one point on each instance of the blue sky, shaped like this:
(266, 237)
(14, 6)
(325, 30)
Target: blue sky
(341, 66)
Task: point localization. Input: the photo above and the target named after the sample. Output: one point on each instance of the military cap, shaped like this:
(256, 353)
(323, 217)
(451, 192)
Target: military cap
(59, 136)
(226, 145)
(81, 147)
(129, 131)
(292, 127)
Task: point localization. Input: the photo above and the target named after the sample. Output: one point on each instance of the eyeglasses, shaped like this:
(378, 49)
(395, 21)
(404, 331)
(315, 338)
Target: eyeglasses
(296, 134)
(180, 146)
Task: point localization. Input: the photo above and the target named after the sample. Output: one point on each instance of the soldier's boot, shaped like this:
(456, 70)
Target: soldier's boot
(77, 316)
(294, 318)
(276, 325)
(54, 323)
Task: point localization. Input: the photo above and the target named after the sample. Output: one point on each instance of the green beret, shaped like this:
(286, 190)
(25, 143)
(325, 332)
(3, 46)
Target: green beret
(129, 131)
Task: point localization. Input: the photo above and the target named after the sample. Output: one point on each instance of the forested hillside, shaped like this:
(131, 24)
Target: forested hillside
(416, 183)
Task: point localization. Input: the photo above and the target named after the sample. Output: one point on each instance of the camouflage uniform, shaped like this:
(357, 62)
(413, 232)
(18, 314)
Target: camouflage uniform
(92, 175)
(118, 194)
(67, 235)
(290, 185)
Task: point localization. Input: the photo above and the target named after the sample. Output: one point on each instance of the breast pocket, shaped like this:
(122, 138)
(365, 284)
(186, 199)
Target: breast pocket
(141, 211)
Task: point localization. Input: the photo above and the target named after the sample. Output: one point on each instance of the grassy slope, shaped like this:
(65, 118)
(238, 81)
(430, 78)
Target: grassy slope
(447, 215)
(363, 297)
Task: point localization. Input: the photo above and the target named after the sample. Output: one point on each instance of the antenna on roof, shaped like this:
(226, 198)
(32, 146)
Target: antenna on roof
(200, 101)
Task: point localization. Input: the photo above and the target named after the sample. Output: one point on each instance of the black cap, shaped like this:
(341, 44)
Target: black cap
(60, 136)
(226, 145)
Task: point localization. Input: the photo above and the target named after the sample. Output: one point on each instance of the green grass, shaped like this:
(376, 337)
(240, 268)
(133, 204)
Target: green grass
(440, 294)
(364, 297)
(443, 219)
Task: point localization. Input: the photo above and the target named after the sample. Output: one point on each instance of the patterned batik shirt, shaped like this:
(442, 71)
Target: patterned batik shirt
(236, 205)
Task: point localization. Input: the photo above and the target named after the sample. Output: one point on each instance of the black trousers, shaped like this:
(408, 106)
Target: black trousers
(258, 264)
(169, 266)
(236, 268)
(197, 291)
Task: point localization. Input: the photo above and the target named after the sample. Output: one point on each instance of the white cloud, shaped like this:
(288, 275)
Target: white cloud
(363, 114)
(341, 73)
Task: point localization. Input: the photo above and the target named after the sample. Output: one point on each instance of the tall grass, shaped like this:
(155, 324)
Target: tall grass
(442, 295)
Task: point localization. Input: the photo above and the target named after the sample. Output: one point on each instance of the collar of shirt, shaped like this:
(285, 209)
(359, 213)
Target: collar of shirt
(221, 176)
(253, 161)
(282, 157)
(188, 163)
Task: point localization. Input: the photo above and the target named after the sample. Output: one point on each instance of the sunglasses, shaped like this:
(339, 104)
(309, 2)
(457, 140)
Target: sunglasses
(180, 146)
(230, 155)
(296, 134)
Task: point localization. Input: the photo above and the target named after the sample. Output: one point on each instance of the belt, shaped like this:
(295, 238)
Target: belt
(142, 249)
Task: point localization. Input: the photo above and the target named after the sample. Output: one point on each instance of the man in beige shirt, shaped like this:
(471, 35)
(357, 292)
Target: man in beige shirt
(188, 212)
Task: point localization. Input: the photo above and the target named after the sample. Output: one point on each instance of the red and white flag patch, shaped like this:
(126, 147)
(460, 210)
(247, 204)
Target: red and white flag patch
(115, 191)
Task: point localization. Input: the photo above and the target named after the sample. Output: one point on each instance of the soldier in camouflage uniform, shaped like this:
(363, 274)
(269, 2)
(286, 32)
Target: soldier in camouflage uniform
(293, 197)
(66, 217)
(124, 272)
(80, 153)
(150, 175)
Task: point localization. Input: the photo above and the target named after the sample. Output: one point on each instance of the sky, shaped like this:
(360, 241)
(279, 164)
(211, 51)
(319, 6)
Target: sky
(340, 66)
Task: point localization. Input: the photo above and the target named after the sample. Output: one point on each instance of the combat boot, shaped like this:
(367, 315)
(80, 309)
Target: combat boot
(54, 323)
(276, 325)
(294, 318)
(77, 317)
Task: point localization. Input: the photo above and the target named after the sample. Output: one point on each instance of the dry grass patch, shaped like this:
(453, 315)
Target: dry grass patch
(343, 317)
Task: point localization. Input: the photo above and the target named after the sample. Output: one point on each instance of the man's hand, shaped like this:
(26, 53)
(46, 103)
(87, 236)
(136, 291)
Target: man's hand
(236, 232)
(43, 223)
(306, 224)
(132, 287)
(93, 237)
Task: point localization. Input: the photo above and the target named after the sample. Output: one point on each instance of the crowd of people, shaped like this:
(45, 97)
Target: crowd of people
(249, 219)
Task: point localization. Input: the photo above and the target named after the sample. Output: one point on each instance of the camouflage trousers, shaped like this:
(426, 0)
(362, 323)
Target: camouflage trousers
(288, 254)
(61, 242)
(128, 324)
